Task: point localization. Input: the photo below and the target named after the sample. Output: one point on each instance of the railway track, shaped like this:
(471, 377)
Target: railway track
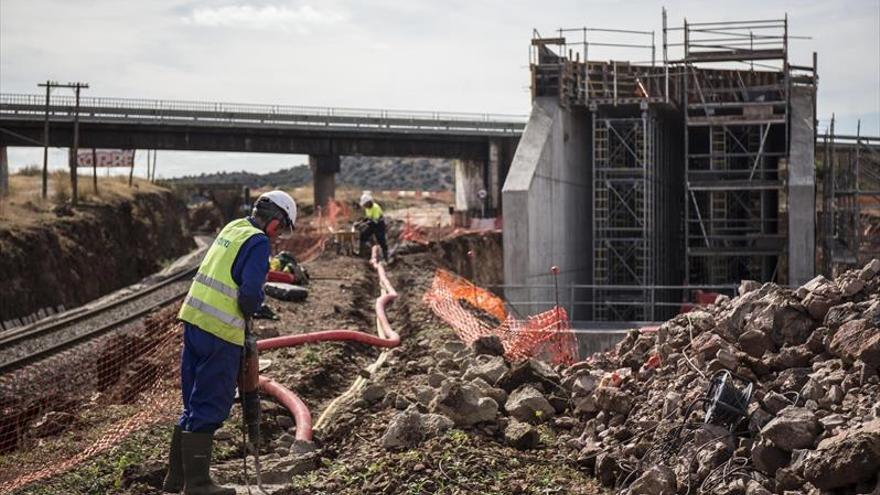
(25, 345)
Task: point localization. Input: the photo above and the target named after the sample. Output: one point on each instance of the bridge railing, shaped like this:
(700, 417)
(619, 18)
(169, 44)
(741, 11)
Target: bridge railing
(134, 108)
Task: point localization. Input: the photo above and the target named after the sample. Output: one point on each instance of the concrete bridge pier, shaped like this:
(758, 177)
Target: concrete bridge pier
(324, 170)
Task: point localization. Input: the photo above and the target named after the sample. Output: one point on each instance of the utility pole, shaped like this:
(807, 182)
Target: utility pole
(49, 85)
(73, 179)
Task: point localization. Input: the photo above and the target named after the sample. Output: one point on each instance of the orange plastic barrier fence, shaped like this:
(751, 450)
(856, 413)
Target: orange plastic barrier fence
(93, 396)
(546, 336)
(311, 237)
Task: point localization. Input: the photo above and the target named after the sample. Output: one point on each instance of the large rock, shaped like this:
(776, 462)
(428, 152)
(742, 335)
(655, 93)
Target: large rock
(712, 455)
(463, 404)
(754, 343)
(435, 424)
(404, 430)
(857, 339)
(613, 399)
(791, 325)
(768, 458)
(520, 435)
(529, 371)
(819, 295)
(840, 314)
(408, 428)
(282, 470)
(498, 394)
(488, 344)
(490, 370)
(659, 480)
(794, 428)
(528, 404)
(848, 458)
(870, 270)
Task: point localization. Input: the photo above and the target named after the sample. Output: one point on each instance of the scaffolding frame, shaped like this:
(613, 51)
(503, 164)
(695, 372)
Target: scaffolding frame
(851, 200)
(736, 126)
(689, 155)
(623, 230)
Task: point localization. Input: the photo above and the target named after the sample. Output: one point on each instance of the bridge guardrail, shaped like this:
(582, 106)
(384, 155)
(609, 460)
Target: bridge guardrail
(133, 108)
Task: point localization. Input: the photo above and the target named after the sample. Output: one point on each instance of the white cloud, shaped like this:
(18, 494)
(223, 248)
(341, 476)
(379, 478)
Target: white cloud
(301, 19)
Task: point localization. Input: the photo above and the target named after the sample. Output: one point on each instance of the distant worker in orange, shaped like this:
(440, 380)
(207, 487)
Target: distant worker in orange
(374, 221)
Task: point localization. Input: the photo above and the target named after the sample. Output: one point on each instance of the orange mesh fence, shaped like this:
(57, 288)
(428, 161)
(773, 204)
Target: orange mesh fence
(65, 409)
(461, 288)
(312, 236)
(474, 312)
(412, 232)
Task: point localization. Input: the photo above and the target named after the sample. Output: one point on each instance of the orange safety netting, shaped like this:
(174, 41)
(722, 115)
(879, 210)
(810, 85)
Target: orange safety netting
(88, 399)
(92, 396)
(474, 312)
(312, 235)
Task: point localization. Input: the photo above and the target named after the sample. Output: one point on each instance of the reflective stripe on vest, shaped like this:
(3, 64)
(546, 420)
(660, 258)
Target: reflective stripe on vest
(216, 313)
(216, 285)
(212, 301)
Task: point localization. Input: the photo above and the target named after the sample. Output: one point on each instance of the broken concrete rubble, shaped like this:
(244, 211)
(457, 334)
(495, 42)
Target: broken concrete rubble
(463, 404)
(811, 354)
(527, 404)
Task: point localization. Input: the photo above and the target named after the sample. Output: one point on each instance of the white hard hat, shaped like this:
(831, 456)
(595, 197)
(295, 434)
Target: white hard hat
(283, 201)
(366, 197)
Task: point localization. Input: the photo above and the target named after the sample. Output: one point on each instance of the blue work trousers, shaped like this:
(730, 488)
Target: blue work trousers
(208, 377)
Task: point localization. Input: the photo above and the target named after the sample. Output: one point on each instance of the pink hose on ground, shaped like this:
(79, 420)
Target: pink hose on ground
(294, 404)
(290, 400)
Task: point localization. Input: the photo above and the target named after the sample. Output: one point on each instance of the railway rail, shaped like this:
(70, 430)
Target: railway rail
(24, 345)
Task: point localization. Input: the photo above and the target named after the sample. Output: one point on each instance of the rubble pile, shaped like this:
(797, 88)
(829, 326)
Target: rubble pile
(794, 404)
(802, 365)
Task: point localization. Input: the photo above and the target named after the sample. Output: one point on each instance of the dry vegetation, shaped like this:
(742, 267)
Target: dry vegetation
(25, 205)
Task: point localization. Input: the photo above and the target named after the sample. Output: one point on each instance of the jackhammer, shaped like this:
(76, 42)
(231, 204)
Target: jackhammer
(248, 390)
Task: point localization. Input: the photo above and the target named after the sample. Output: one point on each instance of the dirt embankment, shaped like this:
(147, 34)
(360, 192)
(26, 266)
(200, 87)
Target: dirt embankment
(100, 248)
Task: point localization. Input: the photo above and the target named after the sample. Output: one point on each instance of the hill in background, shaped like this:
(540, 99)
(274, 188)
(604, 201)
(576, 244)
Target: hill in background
(380, 173)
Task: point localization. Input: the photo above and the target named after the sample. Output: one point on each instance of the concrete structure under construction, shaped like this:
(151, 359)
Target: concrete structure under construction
(644, 181)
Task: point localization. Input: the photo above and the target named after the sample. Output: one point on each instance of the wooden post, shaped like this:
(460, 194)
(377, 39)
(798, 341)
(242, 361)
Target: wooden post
(95, 170)
(46, 143)
(131, 172)
(4, 173)
(74, 195)
(155, 156)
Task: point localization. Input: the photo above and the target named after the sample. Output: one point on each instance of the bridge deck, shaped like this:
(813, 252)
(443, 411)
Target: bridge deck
(31, 107)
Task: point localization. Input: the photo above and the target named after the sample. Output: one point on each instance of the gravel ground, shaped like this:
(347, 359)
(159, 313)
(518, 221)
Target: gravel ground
(349, 458)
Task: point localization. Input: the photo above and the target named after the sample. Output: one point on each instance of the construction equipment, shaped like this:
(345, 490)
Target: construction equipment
(727, 399)
(248, 390)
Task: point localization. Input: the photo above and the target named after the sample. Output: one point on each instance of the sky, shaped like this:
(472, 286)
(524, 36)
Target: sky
(452, 55)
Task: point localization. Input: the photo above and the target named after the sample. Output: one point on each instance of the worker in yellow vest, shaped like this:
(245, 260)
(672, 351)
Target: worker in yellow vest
(226, 291)
(374, 221)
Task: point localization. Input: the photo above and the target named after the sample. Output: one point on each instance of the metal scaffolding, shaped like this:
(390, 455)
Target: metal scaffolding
(623, 194)
(851, 200)
(736, 125)
(690, 156)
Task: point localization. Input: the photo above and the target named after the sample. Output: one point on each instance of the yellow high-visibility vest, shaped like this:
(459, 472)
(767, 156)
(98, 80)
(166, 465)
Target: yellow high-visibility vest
(212, 301)
(374, 212)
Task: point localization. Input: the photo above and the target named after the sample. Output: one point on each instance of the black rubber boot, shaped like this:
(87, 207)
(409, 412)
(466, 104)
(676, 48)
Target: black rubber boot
(196, 448)
(174, 479)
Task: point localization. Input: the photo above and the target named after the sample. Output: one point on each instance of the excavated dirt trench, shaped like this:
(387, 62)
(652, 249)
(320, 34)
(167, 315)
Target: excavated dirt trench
(102, 247)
